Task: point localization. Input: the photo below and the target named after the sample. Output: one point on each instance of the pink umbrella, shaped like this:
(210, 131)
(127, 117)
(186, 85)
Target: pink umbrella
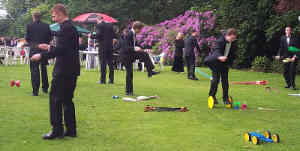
(91, 18)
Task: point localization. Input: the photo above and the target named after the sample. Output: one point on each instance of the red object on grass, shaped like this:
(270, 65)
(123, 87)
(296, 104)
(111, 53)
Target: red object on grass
(91, 18)
(244, 107)
(12, 83)
(263, 82)
(18, 83)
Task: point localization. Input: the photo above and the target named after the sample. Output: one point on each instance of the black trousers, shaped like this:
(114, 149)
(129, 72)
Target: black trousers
(104, 61)
(190, 63)
(217, 75)
(128, 60)
(289, 73)
(35, 76)
(61, 104)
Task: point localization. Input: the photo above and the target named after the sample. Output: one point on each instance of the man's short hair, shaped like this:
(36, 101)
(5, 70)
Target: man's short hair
(36, 15)
(231, 32)
(137, 25)
(59, 8)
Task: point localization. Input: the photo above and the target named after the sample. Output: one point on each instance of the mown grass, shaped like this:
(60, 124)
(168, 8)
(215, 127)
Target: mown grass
(105, 124)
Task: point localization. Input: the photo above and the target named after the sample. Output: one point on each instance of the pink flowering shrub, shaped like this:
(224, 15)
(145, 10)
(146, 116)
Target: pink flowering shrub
(162, 36)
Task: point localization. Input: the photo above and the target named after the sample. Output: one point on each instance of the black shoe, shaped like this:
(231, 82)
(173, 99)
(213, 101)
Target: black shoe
(287, 87)
(51, 135)
(150, 73)
(226, 101)
(129, 93)
(111, 82)
(155, 73)
(70, 134)
(215, 100)
(45, 90)
(195, 78)
(35, 94)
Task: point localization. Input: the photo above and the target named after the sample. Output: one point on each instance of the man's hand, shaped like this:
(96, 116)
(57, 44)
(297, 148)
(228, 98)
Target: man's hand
(44, 46)
(222, 58)
(277, 57)
(293, 59)
(36, 57)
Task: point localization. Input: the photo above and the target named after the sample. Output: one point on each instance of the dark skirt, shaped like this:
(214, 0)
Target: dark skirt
(178, 65)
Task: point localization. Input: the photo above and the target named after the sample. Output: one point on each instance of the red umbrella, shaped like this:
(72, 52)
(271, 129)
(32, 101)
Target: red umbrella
(91, 18)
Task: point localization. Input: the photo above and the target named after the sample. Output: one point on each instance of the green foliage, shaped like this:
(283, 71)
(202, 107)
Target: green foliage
(277, 66)
(259, 26)
(148, 11)
(262, 64)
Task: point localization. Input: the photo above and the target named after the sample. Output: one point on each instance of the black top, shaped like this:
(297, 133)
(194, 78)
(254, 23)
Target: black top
(189, 46)
(66, 51)
(127, 43)
(37, 33)
(283, 49)
(219, 51)
(179, 45)
(105, 35)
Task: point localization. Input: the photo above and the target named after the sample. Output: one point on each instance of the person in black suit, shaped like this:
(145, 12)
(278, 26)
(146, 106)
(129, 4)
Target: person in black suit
(219, 62)
(289, 72)
(189, 46)
(105, 35)
(37, 33)
(130, 52)
(178, 65)
(65, 73)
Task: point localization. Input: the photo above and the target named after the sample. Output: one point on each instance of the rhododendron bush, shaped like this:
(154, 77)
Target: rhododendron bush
(162, 36)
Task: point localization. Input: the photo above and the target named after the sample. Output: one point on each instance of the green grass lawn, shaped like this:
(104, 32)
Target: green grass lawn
(105, 124)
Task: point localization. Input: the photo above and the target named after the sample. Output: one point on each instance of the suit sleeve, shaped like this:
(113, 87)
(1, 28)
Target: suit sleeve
(62, 47)
(49, 38)
(196, 44)
(28, 34)
(130, 41)
(219, 48)
(280, 47)
(99, 32)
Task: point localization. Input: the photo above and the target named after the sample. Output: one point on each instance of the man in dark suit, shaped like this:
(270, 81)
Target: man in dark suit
(189, 46)
(37, 33)
(65, 73)
(105, 35)
(289, 72)
(219, 62)
(130, 52)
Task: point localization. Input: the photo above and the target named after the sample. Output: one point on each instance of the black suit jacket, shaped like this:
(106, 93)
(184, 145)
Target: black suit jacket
(189, 46)
(66, 51)
(212, 60)
(105, 35)
(37, 33)
(127, 47)
(283, 49)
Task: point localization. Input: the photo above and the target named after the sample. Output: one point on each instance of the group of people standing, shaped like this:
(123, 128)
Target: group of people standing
(67, 65)
(186, 48)
(219, 61)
